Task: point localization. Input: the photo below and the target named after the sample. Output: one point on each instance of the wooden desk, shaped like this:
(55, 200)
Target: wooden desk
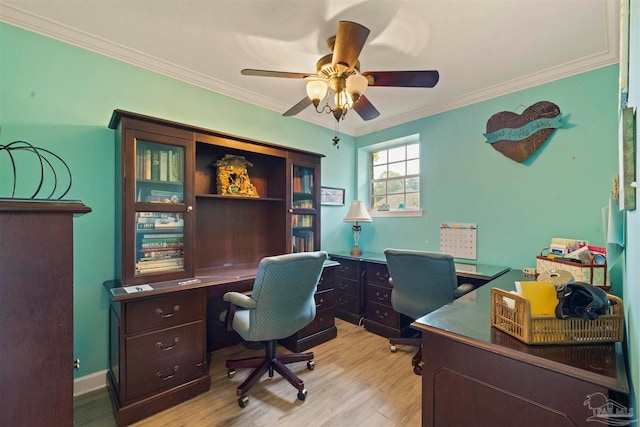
(363, 293)
(160, 336)
(474, 374)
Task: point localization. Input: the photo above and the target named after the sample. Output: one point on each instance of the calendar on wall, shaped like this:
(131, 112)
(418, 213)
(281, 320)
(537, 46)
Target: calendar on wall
(458, 240)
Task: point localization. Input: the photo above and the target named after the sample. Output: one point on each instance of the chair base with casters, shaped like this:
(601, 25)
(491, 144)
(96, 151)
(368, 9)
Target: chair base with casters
(416, 361)
(270, 362)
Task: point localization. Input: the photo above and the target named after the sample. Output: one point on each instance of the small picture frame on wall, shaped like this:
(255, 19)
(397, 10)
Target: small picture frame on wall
(332, 196)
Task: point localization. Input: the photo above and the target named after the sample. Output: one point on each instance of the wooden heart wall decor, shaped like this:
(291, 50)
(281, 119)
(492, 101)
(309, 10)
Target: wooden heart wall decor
(518, 136)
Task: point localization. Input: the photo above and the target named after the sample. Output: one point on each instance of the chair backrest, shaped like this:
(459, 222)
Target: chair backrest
(284, 291)
(422, 281)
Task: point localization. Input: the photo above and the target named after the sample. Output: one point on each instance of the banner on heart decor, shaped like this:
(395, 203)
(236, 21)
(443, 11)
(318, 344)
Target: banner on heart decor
(518, 136)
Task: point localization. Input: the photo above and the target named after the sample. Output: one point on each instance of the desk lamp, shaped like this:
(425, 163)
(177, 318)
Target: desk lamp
(357, 213)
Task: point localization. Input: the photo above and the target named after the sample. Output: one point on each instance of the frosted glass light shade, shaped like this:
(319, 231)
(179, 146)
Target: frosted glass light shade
(316, 91)
(356, 85)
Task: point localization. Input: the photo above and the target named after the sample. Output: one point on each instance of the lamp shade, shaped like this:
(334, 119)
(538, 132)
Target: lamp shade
(316, 91)
(356, 85)
(357, 212)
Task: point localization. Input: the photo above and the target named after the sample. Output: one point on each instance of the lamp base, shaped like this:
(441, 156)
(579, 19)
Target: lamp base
(356, 251)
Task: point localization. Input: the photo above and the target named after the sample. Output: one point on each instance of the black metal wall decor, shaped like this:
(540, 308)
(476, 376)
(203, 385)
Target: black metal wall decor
(50, 164)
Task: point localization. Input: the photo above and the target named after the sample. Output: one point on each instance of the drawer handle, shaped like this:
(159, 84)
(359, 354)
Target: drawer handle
(168, 377)
(342, 286)
(161, 346)
(381, 297)
(159, 312)
(382, 316)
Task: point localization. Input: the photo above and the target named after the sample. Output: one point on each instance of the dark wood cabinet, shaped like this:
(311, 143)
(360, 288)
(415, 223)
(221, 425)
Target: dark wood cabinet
(381, 318)
(190, 237)
(349, 289)
(36, 324)
(157, 352)
(323, 327)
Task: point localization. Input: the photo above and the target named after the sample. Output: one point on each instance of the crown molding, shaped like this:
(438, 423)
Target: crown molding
(608, 56)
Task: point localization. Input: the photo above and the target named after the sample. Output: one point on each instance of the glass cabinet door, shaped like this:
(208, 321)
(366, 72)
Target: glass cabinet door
(157, 221)
(304, 209)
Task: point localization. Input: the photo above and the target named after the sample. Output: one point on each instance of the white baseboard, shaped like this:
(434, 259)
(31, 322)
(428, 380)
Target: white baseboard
(89, 383)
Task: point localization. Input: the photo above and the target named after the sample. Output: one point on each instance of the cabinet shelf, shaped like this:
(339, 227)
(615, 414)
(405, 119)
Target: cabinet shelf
(257, 199)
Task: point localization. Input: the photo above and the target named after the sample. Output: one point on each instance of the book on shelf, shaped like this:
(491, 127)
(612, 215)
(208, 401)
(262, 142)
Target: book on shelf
(164, 165)
(149, 266)
(146, 172)
(155, 165)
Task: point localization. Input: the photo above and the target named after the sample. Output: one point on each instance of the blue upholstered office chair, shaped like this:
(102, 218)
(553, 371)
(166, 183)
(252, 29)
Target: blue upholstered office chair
(422, 282)
(281, 303)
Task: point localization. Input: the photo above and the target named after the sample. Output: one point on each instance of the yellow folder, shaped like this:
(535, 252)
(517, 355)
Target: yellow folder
(541, 295)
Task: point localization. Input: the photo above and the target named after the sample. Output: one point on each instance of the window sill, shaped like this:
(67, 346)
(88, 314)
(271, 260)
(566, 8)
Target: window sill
(396, 213)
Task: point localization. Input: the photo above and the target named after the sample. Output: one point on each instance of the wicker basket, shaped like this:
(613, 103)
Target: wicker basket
(515, 319)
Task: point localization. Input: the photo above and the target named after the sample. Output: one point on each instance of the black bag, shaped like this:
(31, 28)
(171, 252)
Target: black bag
(579, 299)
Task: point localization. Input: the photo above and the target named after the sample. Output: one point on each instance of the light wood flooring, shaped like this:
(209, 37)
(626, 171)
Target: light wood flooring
(356, 382)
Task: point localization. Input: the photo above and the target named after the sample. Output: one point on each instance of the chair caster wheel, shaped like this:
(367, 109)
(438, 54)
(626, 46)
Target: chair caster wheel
(243, 401)
(393, 348)
(302, 394)
(231, 373)
(417, 370)
(310, 366)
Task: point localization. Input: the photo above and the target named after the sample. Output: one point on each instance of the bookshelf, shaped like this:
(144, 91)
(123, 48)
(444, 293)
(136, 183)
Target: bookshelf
(172, 222)
(178, 221)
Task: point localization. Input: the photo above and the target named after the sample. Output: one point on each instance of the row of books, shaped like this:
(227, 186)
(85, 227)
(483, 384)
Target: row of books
(159, 221)
(306, 204)
(303, 241)
(303, 180)
(160, 252)
(157, 164)
(301, 220)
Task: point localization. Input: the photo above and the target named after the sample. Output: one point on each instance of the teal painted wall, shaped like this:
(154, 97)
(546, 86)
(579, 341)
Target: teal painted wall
(61, 98)
(559, 192)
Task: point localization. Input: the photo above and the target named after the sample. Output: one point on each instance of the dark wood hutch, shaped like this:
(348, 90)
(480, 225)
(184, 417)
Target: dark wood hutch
(182, 245)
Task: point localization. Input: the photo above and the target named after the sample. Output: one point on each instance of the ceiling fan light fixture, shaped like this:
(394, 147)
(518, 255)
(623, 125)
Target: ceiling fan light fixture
(316, 91)
(357, 85)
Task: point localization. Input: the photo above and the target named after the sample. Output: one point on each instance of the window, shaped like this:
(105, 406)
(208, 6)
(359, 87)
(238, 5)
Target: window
(395, 178)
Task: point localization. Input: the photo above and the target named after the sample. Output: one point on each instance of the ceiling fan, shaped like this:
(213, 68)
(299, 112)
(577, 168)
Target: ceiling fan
(339, 73)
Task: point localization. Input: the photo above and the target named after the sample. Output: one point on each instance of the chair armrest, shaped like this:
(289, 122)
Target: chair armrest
(241, 300)
(464, 288)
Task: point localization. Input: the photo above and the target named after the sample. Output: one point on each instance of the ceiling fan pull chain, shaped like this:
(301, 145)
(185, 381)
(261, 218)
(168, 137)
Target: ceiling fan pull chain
(335, 138)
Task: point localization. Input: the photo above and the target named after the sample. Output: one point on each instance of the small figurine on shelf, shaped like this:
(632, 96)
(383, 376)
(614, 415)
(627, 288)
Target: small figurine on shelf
(233, 178)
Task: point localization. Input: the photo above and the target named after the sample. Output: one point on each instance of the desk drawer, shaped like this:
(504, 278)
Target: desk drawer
(325, 299)
(378, 274)
(327, 279)
(345, 286)
(324, 320)
(164, 311)
(379, 294)
(165, 359)
(348, 269)
(347, 303)
(383, 314)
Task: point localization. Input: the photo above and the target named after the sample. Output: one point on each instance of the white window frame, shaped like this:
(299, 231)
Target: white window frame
(405, 212)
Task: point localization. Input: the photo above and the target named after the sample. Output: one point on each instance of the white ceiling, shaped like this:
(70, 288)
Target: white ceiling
(482, 48)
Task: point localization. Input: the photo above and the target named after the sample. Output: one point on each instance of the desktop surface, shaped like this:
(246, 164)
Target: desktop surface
(463, 269)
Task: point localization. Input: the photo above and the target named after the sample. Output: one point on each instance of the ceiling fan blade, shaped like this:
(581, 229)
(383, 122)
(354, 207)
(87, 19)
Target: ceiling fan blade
(403, 78)
(365, 108)
(304, 103)
(266, 73)
(349, 42)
